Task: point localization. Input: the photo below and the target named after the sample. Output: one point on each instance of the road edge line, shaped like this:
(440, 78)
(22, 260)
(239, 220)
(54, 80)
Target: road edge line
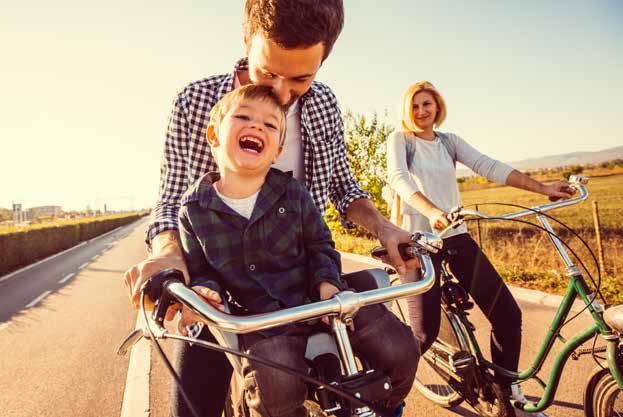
(136, 391)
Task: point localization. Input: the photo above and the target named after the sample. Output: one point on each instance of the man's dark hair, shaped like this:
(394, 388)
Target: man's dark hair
(295, 23)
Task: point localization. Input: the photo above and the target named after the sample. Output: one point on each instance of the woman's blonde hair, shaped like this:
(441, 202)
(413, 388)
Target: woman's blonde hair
(408, 119)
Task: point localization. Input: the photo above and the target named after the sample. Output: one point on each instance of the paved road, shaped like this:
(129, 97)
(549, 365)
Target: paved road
(57, 357)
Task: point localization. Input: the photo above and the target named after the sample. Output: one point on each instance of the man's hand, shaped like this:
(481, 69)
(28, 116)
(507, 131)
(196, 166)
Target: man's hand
(390, 236)
(189, 317)
(558, 190)
(166, 254)
(135, 277)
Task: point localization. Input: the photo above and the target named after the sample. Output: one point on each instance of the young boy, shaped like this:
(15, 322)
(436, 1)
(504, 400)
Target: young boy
(256, 233)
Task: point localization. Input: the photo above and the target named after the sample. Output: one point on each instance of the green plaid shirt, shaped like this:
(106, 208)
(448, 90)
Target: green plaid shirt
(273, 260)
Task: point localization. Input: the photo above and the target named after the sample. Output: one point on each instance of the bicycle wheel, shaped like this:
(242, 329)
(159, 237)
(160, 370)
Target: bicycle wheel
(607, 398)
(434, 380)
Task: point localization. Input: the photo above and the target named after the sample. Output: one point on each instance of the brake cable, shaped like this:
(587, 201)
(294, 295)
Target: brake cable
(379, 410)
(561, 241)
(167, 363)
(590, 251)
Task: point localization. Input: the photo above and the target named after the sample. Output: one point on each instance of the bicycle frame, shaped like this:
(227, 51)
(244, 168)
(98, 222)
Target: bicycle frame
(577, 288)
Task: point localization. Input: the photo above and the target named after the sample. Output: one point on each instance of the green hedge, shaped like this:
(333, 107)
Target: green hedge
(22, 248)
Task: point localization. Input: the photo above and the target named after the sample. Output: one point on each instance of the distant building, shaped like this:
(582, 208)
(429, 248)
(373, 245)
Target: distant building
(43, 211)
(18, 215)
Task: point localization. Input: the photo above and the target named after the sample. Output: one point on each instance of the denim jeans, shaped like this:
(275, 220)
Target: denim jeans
(380, 338)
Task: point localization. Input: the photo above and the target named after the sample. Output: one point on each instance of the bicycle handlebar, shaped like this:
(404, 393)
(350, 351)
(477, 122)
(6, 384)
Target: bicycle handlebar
(344, 304)
(457, 215)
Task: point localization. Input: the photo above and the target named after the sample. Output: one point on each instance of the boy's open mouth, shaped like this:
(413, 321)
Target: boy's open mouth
(251, 144)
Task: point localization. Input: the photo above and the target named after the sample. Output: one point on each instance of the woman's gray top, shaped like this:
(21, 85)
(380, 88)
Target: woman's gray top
(432, 172)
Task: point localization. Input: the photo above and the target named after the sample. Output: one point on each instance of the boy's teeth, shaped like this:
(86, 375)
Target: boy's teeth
(256, 146)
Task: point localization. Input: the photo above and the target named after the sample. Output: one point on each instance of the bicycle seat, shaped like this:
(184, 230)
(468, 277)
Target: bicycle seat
(614, 317)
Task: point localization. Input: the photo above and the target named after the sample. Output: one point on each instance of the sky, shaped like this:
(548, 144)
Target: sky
(86, 87)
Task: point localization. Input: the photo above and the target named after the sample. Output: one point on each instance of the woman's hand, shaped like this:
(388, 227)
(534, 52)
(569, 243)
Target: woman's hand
(558, 190)
(438, 218)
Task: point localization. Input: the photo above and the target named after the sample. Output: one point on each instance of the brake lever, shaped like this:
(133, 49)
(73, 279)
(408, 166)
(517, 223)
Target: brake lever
(130, 341)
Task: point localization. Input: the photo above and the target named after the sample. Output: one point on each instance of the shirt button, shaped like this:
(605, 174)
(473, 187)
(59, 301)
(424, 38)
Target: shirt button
(252, 267)
(281, 210)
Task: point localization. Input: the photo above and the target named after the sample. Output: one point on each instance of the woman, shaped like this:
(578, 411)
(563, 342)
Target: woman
(421, 170)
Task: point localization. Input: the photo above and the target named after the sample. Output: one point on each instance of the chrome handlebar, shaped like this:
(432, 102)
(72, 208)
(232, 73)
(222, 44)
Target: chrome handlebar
(344, 304)
(457, 215)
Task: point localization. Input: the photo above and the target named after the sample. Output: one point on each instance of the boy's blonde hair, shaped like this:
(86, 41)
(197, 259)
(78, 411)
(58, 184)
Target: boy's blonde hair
(247, 92)
(408, 118)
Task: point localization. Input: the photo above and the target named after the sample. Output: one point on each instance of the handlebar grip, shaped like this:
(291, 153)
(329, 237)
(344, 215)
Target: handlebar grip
(153, 286)
(403, 248)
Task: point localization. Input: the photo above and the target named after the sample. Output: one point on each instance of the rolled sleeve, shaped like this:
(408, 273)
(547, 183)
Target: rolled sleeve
(398, 175)
(343, 188)
(490, 168)
(173, 172)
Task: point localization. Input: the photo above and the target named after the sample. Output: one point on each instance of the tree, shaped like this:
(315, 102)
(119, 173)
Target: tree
(366, 148)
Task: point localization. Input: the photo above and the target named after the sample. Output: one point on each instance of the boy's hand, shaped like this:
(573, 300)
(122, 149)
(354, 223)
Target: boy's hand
(189, 317)
(326, 291)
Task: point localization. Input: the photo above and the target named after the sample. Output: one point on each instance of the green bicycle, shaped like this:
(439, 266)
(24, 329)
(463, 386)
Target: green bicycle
(454, 370)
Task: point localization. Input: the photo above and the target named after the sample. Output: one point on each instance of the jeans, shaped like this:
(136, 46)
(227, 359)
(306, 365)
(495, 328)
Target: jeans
(380, 338)
(480, 279)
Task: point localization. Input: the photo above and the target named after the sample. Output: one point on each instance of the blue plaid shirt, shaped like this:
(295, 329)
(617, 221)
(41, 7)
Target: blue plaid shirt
(187, 155)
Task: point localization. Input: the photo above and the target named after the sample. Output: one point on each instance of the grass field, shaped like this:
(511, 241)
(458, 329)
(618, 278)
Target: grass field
(525, 256)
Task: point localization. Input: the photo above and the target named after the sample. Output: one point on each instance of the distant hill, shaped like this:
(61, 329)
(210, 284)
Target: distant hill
(561, 160)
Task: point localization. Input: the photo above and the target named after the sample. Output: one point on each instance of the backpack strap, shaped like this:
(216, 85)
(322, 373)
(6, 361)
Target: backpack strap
(409, 149)
(448, 144)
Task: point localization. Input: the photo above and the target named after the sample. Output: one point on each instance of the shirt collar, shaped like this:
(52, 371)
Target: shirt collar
(272, 189)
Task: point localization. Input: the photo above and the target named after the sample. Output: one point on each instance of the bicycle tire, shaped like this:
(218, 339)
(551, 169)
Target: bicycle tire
(607, 399)
(431, 380)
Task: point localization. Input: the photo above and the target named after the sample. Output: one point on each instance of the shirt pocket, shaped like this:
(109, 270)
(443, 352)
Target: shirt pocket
(282, 231)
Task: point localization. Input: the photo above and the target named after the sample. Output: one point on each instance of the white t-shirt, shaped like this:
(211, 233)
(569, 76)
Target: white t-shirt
(291, 158)
(242, 206)
(436, 179)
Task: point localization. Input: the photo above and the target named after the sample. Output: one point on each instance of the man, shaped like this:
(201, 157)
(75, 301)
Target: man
(287, 41)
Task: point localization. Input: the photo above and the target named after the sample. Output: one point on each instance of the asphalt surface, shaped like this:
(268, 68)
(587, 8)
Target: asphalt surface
(58, 356)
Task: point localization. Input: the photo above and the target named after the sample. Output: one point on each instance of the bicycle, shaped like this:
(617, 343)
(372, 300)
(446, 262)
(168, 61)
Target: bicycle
(341, 384)
(454, 370)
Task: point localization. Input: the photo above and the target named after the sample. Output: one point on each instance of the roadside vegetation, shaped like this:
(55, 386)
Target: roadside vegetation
(21, 247)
